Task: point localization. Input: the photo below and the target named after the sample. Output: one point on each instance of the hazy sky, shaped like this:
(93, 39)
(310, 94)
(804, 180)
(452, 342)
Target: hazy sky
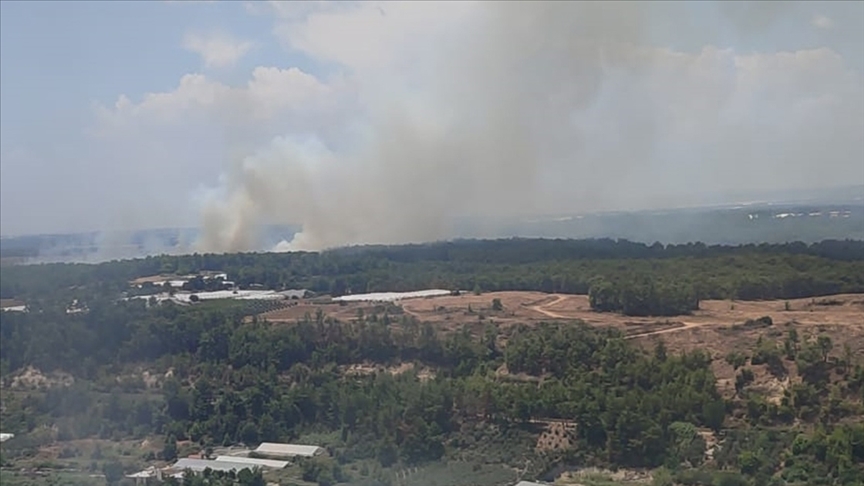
(140, 114)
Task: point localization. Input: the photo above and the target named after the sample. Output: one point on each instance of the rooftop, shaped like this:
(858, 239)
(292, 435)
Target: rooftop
(288, 450)
(253, 461)
(199, 465)
(391, 296)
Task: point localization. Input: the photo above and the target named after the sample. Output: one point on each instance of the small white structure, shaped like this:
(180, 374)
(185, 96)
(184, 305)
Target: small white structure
(294, 293)
(273, 449)
(176, 284)
(143, 477)
(76, 307)
(273, 464)
(529, 483)
(150, 472)
(4, 437)
(15, 308)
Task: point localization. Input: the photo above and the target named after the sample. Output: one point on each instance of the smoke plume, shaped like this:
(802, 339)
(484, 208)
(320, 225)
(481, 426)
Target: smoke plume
(501, 105)
(473, 140)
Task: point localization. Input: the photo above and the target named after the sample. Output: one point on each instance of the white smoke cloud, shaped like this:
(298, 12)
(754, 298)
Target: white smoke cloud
(490, 108)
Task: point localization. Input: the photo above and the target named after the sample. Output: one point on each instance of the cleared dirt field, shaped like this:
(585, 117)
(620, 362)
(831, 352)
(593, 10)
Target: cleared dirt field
(838, 310)
(526, 307)
(715, 328)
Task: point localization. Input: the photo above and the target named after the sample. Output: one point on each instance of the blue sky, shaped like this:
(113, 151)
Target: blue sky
(64, 65)
(60, 57)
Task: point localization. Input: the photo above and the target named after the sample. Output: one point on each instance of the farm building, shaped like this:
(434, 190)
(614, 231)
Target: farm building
(144, 477)
(272, 449)
(199, 465)
(214, 275)
(254, 462)
(4, 437)
(229, 294)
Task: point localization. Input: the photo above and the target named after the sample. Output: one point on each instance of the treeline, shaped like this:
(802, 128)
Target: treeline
(530, 250)
(111, 333)
(746, 272)
(643, 298)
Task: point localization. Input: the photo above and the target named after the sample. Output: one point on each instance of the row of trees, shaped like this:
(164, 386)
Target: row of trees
(569, 266)
(644, 297)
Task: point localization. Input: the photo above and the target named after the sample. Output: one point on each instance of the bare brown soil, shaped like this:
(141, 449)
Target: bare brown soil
(715, 328)
(526, 307)
(80, 449)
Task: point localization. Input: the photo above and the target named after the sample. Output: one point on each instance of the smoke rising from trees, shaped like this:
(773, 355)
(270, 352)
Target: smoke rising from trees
(521, 108)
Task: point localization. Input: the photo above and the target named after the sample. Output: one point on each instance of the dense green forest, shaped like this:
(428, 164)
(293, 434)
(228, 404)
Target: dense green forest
(569, 266)
(233, 381)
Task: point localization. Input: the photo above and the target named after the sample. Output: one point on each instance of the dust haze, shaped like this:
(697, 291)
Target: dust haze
(503, 108)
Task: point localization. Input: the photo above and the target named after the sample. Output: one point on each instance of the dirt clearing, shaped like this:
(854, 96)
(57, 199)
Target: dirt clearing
(531, 307)
(717, 327)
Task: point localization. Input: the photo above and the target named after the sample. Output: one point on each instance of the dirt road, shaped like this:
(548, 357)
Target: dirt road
(541, 307)
(685, 325)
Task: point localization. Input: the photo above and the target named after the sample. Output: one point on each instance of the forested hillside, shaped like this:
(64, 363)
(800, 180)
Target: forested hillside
(199, 377)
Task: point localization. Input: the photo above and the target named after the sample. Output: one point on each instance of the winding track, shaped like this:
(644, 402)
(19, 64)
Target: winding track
(541, 307)
(686, 325)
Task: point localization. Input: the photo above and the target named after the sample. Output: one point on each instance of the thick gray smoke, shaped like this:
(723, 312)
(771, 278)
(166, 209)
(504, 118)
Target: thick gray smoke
(474, 141)
(507, 104)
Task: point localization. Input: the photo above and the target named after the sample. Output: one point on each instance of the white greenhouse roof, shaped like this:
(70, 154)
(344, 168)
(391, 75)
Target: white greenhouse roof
(253, 461)
(231, 294)
(147, 473)
(287, 450)
(391, 296)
